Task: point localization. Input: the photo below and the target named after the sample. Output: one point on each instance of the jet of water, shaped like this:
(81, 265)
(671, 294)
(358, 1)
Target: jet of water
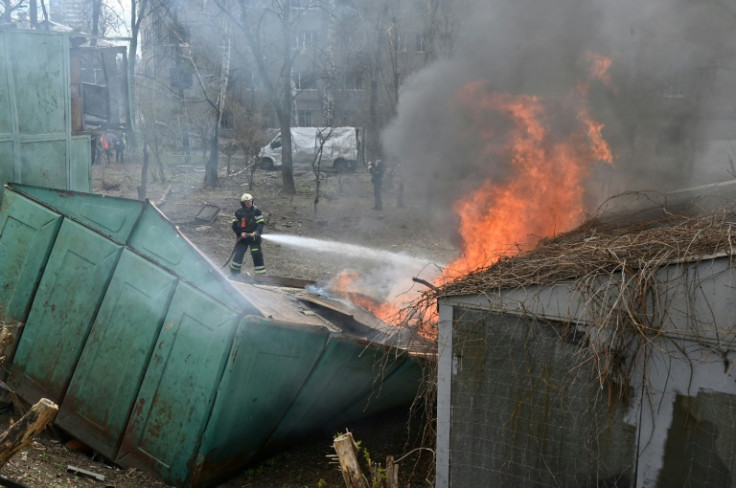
(349, 250)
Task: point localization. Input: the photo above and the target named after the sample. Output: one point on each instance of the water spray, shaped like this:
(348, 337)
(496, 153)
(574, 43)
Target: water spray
(349, 250)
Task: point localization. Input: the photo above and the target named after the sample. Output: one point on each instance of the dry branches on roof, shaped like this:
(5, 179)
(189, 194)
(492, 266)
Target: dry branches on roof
(601, 247)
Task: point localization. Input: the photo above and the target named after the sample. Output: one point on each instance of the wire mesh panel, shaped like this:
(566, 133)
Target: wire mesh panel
(525, 412)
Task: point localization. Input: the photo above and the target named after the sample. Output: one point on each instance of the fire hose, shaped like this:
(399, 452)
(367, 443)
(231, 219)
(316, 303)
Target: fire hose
(240, 238)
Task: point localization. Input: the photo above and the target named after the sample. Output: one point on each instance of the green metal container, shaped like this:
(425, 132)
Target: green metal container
(157, 360)
(36, 142)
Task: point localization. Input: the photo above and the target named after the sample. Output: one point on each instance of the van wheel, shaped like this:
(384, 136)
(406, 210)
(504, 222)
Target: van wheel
(266, 164)
(341, 166)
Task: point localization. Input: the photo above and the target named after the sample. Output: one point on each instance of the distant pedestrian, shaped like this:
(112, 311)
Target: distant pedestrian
(376, 170)
(119, 145)
(106, 147)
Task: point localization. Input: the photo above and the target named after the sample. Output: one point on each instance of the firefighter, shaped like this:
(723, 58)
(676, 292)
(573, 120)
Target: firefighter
(248, 226)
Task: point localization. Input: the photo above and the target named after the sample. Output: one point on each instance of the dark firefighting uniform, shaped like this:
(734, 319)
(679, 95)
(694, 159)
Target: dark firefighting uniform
(249, 221)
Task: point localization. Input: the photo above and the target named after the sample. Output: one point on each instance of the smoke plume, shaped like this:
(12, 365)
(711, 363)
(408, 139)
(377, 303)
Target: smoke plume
(651, 105)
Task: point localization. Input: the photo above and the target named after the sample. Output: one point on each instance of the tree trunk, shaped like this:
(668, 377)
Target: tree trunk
(328, 96)
(210, 174)
(144, 173)
(96, 8)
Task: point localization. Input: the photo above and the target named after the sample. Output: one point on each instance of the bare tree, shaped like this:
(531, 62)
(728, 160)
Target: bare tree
(269, 33)
(214, 91)
(248, 132)
(139, 10)
(7, 7)
(329, 77)
(150, 100)
(322, 136)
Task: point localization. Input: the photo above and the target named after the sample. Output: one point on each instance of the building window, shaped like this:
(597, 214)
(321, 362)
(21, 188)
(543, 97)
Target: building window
(248, 80)
(353, 80)
(420, 43)
(304, 118)
(674, 87)
(348, 117)
(305, 39)
(399, 43)
(305, 80)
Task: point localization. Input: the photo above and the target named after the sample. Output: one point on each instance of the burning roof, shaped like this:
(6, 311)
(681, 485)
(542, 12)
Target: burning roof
(647, 231)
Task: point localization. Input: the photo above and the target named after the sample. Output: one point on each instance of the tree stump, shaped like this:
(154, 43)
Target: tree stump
(346, 450)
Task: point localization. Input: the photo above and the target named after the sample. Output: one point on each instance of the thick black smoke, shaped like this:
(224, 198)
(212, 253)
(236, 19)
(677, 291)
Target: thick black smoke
(653, 109)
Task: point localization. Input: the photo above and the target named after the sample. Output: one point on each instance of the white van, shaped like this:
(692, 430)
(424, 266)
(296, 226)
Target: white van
(341, 151)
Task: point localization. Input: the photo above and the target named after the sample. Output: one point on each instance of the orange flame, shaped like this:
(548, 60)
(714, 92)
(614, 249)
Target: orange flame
(347, 284)
(543, 194)
(598, 66)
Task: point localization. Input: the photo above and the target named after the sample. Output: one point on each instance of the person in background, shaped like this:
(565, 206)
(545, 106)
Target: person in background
(106, 147)
(119, 145)
(248, 225)
(376, 171)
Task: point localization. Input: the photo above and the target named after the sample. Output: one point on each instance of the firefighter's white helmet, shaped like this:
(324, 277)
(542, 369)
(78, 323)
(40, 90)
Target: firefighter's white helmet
(246, 197)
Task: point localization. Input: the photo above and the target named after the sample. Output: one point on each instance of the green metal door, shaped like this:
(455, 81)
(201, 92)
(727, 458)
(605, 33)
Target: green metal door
(323, 394)
(178, 391)
(27, 233)
(268, 364)
(116, 354)
(158, 240)
(112, 217)
(76, 276)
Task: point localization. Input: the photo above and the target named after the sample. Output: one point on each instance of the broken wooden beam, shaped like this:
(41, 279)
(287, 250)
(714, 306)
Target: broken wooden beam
(76, 470)
(21, 433)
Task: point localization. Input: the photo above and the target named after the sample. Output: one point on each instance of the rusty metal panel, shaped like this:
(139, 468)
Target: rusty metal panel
(34, 163)
(40, 78)
(74, 281)
(7, 157)
(27, 234)
(35, 111)
(324, 394)
(7, 96)
(112, 217)
(115, 356)
(268, 364)
(80, 169)
(399, 387)
(156, 238)
(178, 391)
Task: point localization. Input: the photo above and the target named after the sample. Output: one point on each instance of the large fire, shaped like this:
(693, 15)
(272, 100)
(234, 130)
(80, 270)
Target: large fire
(542, 192)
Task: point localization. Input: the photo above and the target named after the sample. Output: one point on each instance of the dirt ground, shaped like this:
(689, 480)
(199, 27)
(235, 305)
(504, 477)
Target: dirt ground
(344, 213)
